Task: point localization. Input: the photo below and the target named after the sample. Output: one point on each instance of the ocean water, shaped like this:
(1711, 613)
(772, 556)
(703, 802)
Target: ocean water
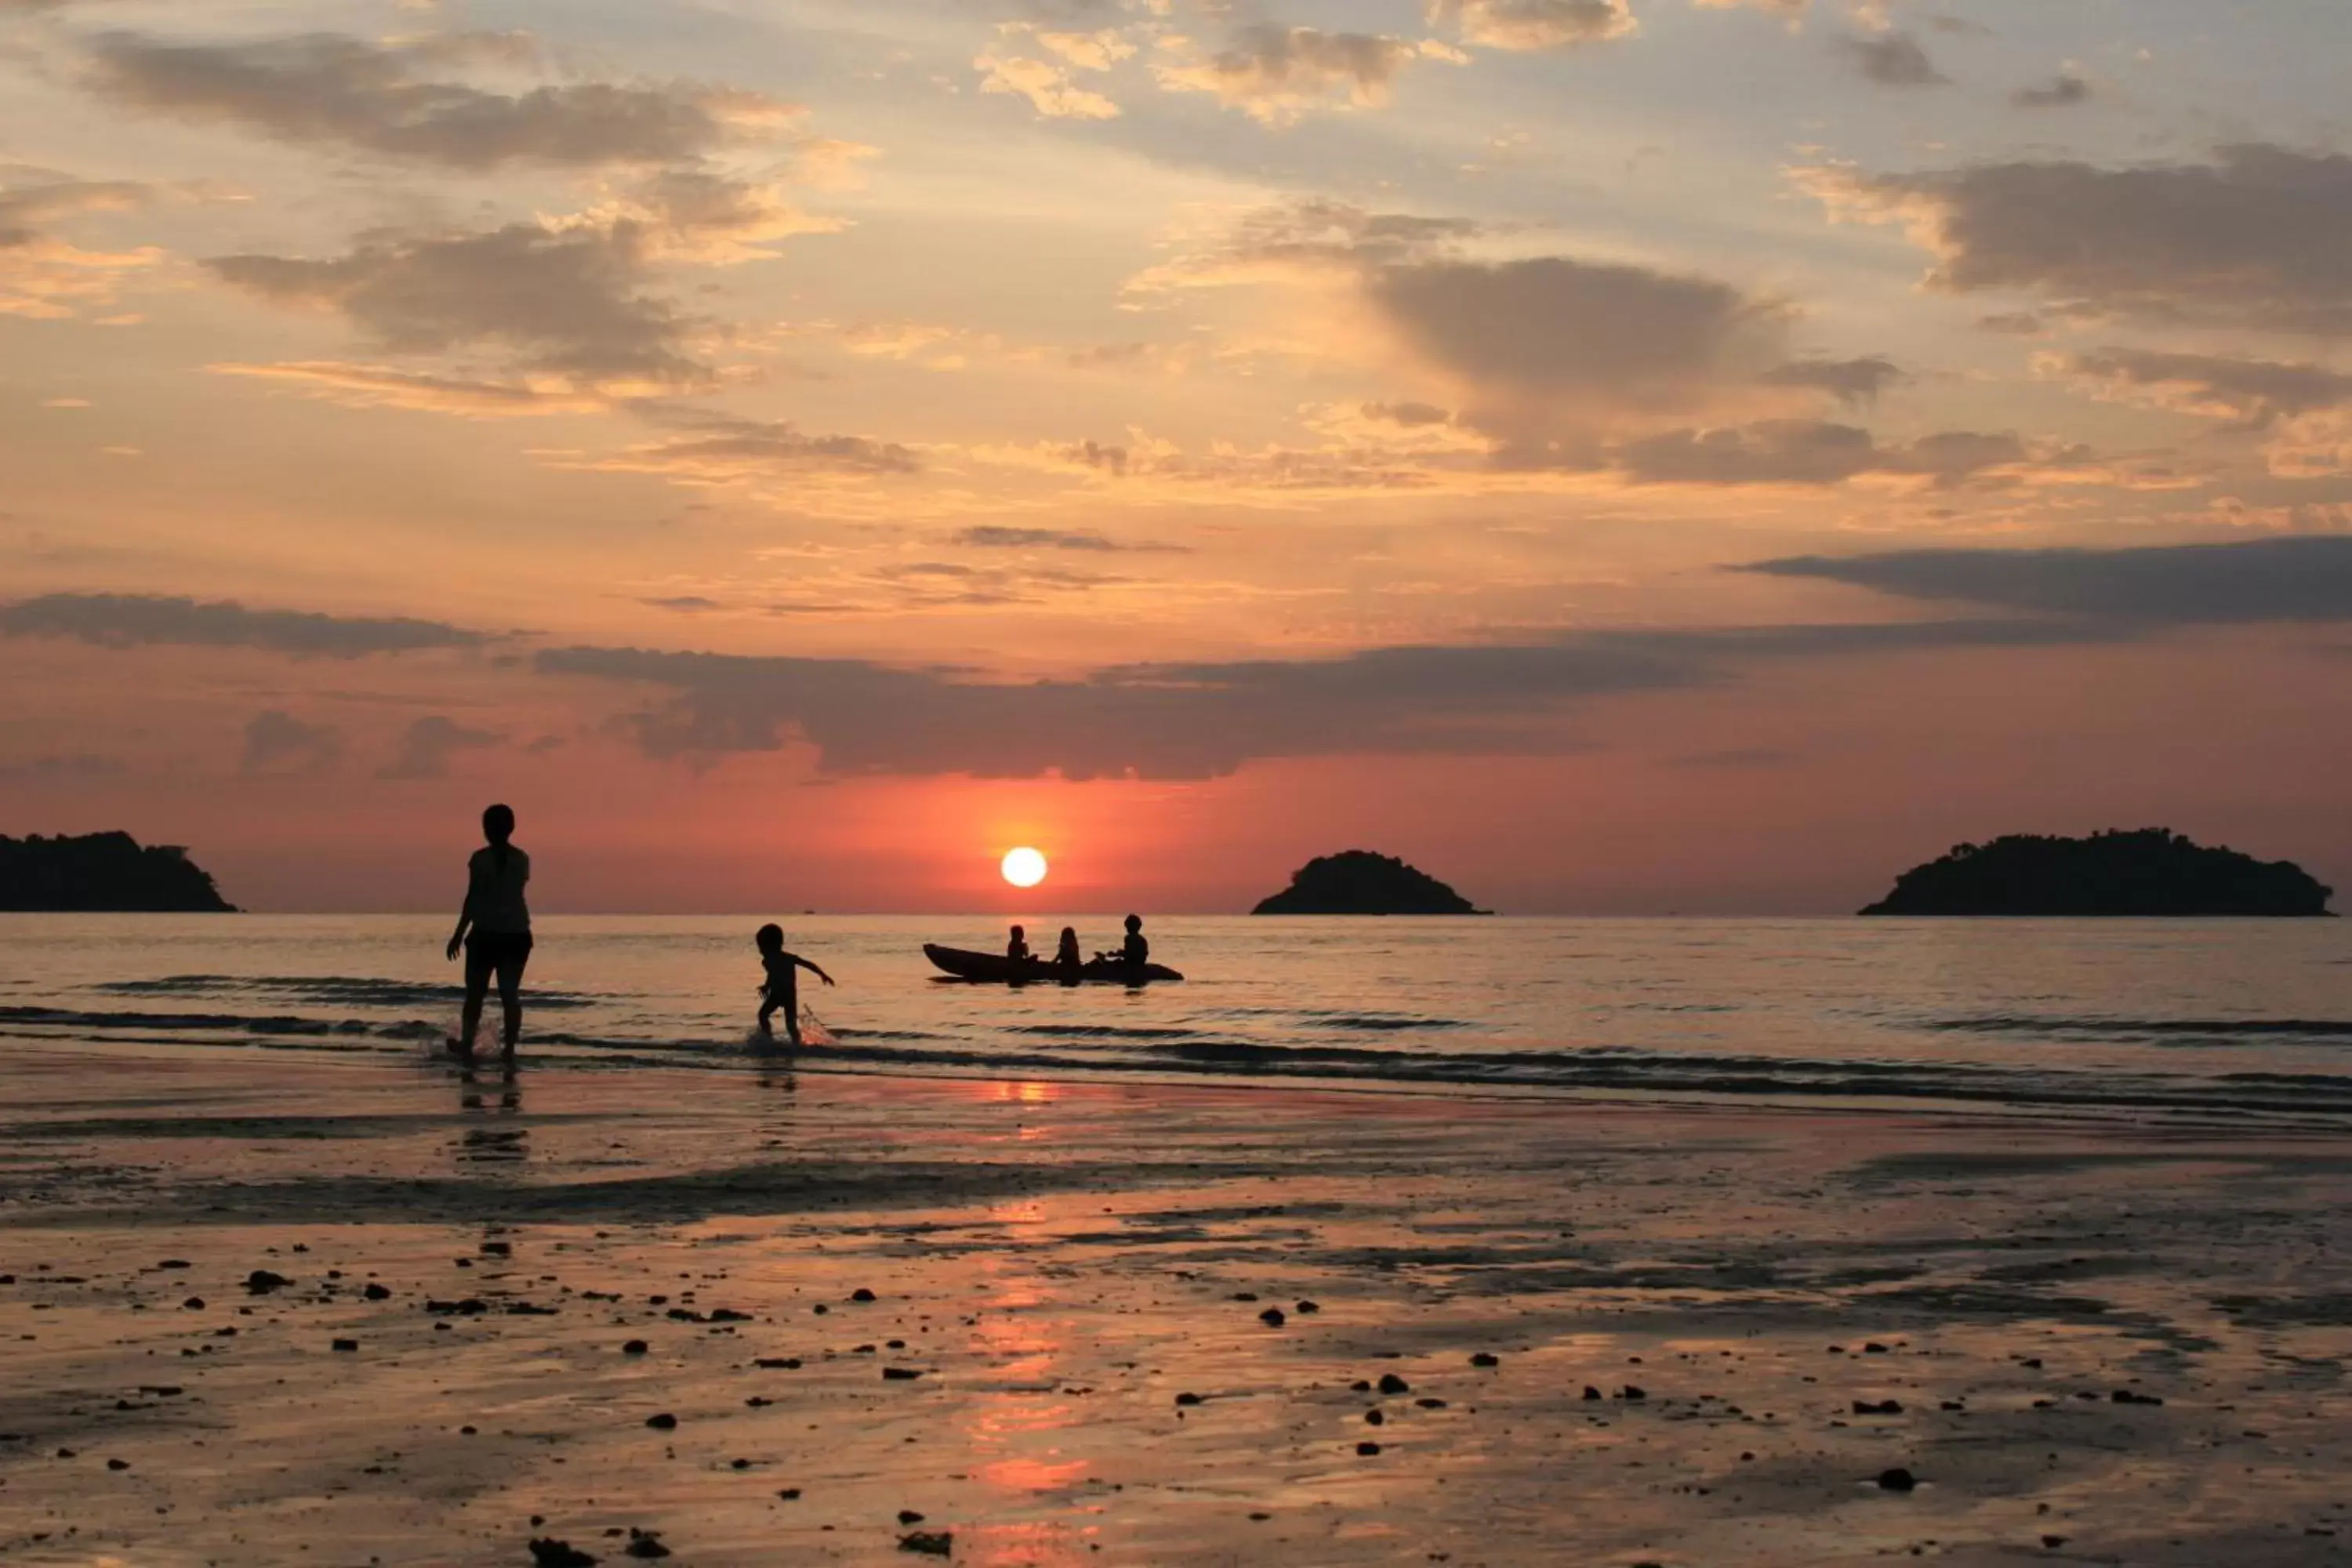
(2243, 1020)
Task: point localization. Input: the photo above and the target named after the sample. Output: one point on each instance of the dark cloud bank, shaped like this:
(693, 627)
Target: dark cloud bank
(1200, 720)
(132, 620)
(1175, 721)
(2270, 579)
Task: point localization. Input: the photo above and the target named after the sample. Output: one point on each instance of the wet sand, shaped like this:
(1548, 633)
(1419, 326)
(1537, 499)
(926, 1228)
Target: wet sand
(1143, 1323)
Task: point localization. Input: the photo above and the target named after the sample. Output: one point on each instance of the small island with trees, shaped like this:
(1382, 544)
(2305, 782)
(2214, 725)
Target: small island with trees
(111, 872)
(1358, 882)
(2151, 872)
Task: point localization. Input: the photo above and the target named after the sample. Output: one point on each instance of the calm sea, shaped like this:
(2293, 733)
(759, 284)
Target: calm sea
(2247, 1020)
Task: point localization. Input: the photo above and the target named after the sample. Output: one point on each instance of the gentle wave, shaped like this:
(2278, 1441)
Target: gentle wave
(2266, 1029)
(325, 990)
(1133, 1051)
(219, 1023)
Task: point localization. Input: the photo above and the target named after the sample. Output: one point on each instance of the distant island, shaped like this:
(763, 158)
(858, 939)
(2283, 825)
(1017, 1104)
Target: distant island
(2153, 871)
(1358, 882)
(104, 871)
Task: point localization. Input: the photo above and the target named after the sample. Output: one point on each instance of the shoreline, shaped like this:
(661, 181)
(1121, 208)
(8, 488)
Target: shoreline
(1061, 1261)
(847, 1060)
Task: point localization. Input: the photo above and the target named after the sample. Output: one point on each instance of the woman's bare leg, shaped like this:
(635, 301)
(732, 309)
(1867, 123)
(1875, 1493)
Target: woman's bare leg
(478, 986)
(510, 1002)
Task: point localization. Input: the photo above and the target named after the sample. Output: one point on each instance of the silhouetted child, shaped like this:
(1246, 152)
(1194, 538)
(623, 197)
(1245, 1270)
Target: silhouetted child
(782, 988)
(1066, 955)
(1135, 951)
(1017, 948)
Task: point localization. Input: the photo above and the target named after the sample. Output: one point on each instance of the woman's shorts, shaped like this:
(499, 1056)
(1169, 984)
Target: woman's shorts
(488, 950)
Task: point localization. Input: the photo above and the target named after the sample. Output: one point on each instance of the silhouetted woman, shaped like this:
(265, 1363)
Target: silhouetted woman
(1067, 956)
(494, 927)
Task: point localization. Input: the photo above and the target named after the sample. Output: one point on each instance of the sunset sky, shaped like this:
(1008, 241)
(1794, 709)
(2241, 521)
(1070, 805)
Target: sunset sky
(1623, 456)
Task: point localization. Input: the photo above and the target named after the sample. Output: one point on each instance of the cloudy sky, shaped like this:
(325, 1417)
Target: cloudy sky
(1625, 455)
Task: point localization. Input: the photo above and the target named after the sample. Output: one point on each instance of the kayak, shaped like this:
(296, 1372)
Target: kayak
(995, 969)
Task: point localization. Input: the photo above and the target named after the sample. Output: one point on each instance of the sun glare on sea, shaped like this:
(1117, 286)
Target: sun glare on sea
(1024, 868)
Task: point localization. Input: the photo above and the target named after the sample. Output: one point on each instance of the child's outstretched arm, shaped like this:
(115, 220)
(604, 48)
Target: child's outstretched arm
(812, 969)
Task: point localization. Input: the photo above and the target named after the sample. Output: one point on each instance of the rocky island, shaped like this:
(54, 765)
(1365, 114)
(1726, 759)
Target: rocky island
(2150, 872)
(104, 871)
(1358, 882)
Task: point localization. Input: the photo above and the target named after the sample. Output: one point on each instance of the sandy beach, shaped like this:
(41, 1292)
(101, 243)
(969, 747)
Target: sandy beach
(1142, 1323)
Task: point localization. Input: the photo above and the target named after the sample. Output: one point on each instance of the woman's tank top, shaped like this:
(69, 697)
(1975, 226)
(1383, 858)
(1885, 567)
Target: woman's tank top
(496, 891)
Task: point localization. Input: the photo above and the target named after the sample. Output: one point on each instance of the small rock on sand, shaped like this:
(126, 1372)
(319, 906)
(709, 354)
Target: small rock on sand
(665, 1421)
(1392, 1383)
(550, 1552)
(899, 1374)
(1368, 1449)
(909, 1516)
(1272, 1318)
(1897, 1479)
(377, 1293)
(861, 1294)
(634, 1347)
(644, 1543)
(262, 1281)
(1484, 1359)
(930, 1543)
(347, 1345)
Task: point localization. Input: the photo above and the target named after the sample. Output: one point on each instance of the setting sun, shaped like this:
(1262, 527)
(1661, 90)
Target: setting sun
(1024, 868)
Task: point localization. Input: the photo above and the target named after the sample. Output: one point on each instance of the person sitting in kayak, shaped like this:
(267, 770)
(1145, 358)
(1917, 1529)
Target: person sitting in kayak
(1067, 956)
(1135, 953)
(1017, 950)
(782, 988)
